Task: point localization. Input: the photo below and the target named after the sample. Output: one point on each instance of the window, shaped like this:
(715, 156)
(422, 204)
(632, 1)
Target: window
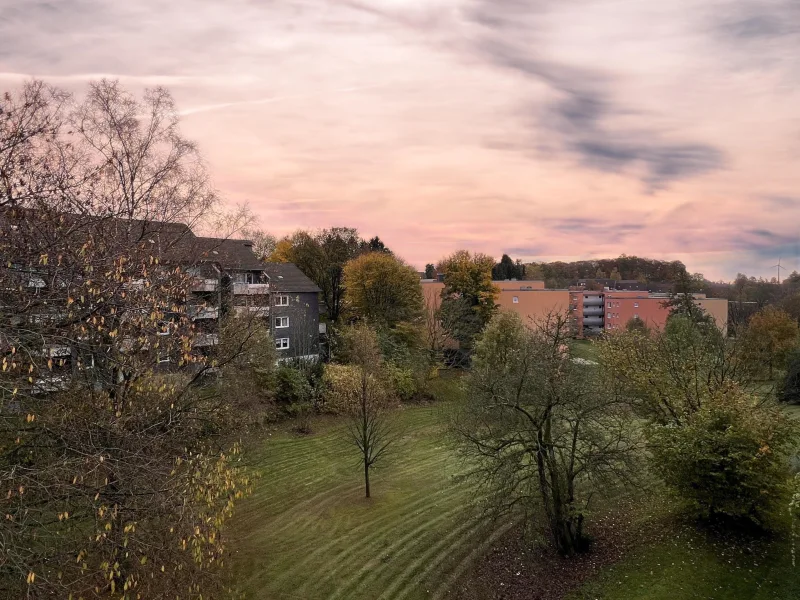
(281, 300)
(248, 278)
(609, 305)
(282, 343)
(636, 316)
(281, 322)
(515, 299)
(635, 305)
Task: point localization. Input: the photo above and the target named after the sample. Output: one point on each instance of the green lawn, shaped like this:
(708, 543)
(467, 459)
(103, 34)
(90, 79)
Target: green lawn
(692, 567)
(585, 349)
(307, 532)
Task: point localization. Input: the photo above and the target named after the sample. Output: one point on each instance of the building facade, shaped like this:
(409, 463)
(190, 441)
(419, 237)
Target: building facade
(225, 277)
(294, 312)
(592, 312)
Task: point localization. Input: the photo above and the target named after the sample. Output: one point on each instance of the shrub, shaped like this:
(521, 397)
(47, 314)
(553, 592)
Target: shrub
(404, 383)
(730, 458)
(302, 412)
(339, 384)
(342, 386)
(291, 386)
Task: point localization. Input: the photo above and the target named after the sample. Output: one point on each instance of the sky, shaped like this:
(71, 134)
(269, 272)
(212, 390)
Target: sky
(545, 129)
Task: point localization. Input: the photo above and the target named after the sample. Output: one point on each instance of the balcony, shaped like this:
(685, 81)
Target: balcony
(54, 351)
(257, 311)
(51, 384)
(204, 285)
(202, 312)
(250, 289)
(202, 340)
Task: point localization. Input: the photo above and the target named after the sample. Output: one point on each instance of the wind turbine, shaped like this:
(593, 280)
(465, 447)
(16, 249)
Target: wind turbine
(779, 269)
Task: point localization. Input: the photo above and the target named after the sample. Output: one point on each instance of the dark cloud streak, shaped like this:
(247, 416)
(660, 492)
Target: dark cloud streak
(582, 112)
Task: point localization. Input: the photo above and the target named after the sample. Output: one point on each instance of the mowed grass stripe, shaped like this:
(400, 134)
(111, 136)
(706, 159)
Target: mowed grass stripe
(399, 547)
(409, 556)
(415, 508)
(331, 496)
(307, 532)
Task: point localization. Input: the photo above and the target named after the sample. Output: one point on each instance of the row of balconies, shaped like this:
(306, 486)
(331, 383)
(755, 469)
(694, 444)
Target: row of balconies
(239, 288)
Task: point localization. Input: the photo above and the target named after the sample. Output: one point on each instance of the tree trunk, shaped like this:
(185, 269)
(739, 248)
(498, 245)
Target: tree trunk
(366, 478)
(568, 534)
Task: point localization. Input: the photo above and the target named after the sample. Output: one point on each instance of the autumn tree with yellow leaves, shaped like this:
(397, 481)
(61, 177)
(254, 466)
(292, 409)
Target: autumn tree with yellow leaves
(382, 289)
(115, 480)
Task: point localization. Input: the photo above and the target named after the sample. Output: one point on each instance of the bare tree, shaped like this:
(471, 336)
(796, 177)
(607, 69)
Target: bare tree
(542, 432)
(370, 427)
(264, 243)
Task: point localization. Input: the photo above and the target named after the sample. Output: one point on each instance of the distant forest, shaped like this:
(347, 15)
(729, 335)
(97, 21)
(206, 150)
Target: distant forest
(561, 274)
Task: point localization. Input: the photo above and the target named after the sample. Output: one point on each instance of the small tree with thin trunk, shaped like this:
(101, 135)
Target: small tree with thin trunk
(370, 427)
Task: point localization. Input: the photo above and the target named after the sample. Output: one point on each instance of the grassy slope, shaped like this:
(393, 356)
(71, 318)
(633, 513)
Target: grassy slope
(691, 567)
(585, 349)
(307, 532)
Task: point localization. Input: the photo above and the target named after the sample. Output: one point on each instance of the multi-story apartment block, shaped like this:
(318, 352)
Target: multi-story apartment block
(225, 277)
(293, 311)
(610, 310)
(592, 311)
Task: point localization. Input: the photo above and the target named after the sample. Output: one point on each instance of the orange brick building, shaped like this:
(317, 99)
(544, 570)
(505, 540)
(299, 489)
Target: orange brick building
(611, 310)
(593, 312)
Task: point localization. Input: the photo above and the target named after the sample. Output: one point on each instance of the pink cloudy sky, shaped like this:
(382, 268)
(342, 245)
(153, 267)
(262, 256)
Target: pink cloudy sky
(542, 128)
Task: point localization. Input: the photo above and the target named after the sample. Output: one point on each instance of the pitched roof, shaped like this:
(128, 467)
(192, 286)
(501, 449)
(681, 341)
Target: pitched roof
(171, 242)
(286, 277)
(229, 253)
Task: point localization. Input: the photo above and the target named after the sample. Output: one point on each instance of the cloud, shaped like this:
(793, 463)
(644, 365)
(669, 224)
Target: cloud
(523, 251)
(757, 21)
(782, 201)
(582, 116)
(590, 227)
(759, 34)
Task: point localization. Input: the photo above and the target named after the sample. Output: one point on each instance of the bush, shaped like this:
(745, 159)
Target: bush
(342, 388)
(730, 458)
(339, 384)
(291, 386)
(302, 412)
(404, 383)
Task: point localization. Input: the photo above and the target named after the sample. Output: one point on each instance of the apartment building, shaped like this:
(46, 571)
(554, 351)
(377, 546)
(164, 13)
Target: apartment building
(294, 312)
(594, 312)
(226, 276)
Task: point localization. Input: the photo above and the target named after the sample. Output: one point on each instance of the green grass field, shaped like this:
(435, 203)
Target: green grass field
(307, 531)
(585, 349)
(692, 567)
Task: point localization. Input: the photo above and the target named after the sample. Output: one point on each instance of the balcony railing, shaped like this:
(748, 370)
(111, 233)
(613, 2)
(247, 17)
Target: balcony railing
(204, 285)
(205, 339)
(250, 289)
(203, 312)
(258, 311)
(54, 351)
